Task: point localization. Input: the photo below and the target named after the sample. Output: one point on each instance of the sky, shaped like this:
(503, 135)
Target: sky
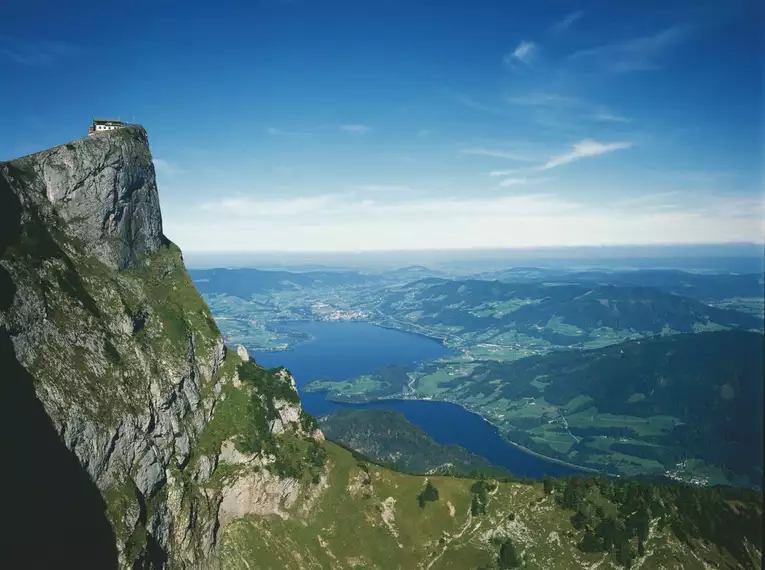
(355, 125)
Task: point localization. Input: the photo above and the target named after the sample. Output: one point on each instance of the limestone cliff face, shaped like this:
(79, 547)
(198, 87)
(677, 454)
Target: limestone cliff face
(103, 323)
(104, 188)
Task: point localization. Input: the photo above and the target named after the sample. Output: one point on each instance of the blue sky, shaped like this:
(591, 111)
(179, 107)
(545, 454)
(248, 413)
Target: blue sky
(347, 125)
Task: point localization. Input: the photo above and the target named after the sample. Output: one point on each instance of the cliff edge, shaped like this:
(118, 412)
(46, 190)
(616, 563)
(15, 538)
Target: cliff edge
(104, 188)
(112, 368)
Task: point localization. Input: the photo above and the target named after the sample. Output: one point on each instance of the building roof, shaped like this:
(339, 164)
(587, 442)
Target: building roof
(116, 121)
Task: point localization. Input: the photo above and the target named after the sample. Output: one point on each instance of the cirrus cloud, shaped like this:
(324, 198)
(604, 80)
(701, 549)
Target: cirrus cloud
(584, 149)
(36, 53)
(355, 129)
(565, 23)
(638, 54)
(525, 53)
(348, 222)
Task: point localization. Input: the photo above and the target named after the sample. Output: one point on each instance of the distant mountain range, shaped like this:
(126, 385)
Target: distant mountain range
(246, 282)
(717, 258)
(562, 314)
(702, 286)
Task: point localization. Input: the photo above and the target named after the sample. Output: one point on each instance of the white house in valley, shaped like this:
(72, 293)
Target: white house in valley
(104, 125)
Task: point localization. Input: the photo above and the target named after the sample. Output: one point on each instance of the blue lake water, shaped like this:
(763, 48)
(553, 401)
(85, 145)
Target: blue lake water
(342, 350)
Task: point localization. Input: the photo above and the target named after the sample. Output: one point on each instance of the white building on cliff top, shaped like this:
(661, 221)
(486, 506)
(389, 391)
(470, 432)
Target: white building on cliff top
(103, 125)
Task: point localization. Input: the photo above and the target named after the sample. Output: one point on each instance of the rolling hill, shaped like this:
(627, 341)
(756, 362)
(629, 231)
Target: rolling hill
(651, 403)
(244, 282)
(561, 314)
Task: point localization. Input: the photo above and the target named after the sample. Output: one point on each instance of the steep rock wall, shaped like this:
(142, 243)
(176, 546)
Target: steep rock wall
(104, 188)
(109, 342)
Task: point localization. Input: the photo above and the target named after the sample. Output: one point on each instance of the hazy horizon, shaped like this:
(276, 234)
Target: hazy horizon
(732, 257)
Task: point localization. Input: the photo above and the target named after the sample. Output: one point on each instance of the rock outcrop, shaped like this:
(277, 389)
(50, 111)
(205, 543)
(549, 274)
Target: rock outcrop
(106, 329)
(105, 189)
(242, 353)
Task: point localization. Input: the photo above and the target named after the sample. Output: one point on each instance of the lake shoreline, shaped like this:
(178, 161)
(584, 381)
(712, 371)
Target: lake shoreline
(346, 350)
(467, 409)
(292, 346)
(499, 431)
(441, 341)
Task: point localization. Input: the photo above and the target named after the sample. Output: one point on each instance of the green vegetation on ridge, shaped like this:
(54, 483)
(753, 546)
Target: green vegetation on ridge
(370, 517)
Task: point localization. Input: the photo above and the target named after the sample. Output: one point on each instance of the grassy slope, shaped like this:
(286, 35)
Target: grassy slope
(346, 528)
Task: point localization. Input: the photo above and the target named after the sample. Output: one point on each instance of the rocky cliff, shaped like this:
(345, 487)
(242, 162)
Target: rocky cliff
(112, 370)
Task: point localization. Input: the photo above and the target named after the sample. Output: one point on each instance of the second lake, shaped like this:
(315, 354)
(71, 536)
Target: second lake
(342, 350)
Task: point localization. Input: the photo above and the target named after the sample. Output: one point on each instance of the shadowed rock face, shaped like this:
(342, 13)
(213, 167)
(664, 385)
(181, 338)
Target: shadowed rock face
(57, 517)
(105, 189)
(98, 403)
(111, 366)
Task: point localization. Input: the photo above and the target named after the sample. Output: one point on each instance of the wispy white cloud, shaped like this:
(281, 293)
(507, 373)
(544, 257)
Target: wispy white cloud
(565, 23)
(662, 200)
(343, 222)
(523, 181)
(513, 181)
(702, 177)
(697, 203)
(279, 132)
(355, 129)
(386, 189)
(499, 154)
(639, 54)
(467, 101)
(584, 149)
(525, 53)
(36, 53)
(166, 167)
(262, 208)
(546, 100)
(609, 117)
(497, 173)
(347, 204)
(542, 99)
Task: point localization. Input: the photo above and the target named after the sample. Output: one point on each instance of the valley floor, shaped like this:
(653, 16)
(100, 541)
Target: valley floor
(576, 432)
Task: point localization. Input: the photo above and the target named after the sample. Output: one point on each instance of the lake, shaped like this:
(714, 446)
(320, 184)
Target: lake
(342, 350)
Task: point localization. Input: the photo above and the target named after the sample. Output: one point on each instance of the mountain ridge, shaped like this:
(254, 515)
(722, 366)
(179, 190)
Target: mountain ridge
(478, 305)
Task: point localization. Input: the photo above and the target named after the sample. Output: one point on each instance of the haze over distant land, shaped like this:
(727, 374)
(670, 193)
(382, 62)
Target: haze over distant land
(734, 258)
(297, 125)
